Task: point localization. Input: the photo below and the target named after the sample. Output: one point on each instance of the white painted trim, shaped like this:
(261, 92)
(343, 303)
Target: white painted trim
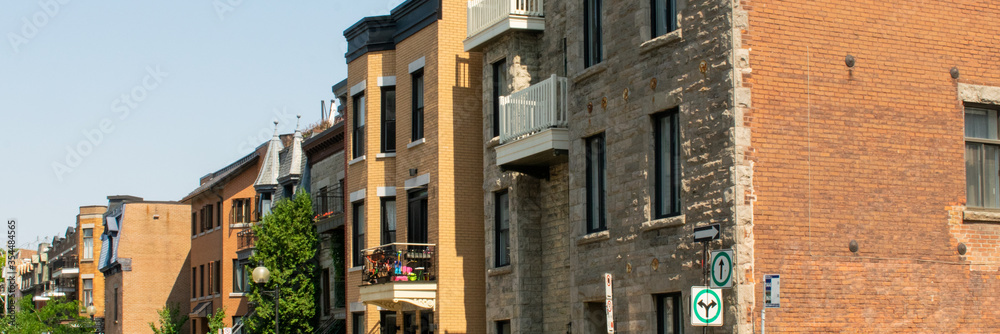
(92, 215)
(356, 160)
(357, 195)
(86, 276)
(385, 155)
(83, 226)
(417, 65)
(237, 294)
(416, 142)
(360, 87)
(386, 81)
(418, 181)
(356, 306)
(386, 191)
(353, 269)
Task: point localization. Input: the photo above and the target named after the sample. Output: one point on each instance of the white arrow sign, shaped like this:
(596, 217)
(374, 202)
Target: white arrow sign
(707, 233)
(706, 306)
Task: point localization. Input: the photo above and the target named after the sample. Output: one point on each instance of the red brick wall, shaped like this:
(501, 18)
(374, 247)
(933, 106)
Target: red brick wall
(873, 154)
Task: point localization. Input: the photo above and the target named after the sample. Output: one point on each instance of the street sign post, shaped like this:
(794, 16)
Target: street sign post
(722, 268)
(609, 306)
(707, 233)
(772, 291)
(706, 306)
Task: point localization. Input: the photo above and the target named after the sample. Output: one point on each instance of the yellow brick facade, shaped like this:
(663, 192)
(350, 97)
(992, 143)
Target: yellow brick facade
(451, 154)
(90, 217)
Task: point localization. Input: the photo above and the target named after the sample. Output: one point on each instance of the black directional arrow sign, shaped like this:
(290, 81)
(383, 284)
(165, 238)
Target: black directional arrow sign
(707, 233)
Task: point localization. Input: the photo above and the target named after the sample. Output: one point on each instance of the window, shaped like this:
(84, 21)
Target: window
(595, 184)
(388, 220)
(668, 313)
(211, 279)
(118, 314)
(417, 217)
(217, 284)
(982, 158)
(265, 204)
(194, 282)
(201, 279)
(289, 191)
(239, 276)
(663, 16)
(411, 326)
(501, 243)
(88, 244)
(417, 117)
(358, 323)
(88, 292)
(218, 214)
(208, 217)
(238, 320)
(325, 291)
(240, 212)
(359, 233)
(500, 88)
(194, 223)
(503, 327)
(388, 119)
(388, 321)
(358, 133)
(591, 32)
(595, 317)
(667, 161)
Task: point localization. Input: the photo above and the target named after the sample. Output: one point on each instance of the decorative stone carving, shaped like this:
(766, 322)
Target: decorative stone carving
(520, 78)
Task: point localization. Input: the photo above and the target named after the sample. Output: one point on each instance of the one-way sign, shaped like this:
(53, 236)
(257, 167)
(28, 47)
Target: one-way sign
(707, 233)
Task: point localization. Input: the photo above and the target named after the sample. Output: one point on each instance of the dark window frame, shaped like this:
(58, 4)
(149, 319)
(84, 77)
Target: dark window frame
(417, 92)
(672, 187)
(358, 109)
(388, 125)
(669, 20)
(357, 239)
(677, 312)
(977, 198)
(599, 223)
(387, 236)
(501, 240)
(418, 226)
(592, 42)
(499, 71)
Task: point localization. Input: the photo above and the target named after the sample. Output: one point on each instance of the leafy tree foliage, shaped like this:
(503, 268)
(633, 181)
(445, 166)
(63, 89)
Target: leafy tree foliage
(286, 246)
(171, 320)
(58, 316)
(217, 321)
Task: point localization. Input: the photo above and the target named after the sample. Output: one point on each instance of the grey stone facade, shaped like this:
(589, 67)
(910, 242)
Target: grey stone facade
(556, 266)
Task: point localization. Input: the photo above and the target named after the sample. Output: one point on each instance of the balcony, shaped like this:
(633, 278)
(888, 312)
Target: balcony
(328, 205)
(65, 266)
(488, 19)
(400, 276)
(533, 126)
(245, 240)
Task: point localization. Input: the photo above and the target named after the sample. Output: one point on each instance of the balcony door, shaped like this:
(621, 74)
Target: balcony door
(416, 231)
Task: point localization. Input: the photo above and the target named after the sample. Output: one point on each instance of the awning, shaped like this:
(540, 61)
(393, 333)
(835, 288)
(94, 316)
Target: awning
(203, 310)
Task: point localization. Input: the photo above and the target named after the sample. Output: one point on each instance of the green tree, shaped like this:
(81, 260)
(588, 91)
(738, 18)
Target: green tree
(58, 316)
(217, 321)
(171, 320)
(286, 246)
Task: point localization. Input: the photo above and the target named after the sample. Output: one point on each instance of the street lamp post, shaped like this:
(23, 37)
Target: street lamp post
(91, 310)
(261, 276)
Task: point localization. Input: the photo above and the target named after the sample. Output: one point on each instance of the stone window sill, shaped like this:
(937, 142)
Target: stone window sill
(981, 215)
(87, 260)
(353, 269)
(661, 41)
(657, 224)
(593, 237)
(416, 142)
(356, 160)
(237, 294)
(385, 155)
(499, 271)
(239, 225)
(591, 71)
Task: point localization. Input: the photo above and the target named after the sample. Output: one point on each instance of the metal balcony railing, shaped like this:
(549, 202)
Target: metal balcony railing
(484, 13)
(533, 109)
(245, 239)
(66, 261)
(327, 203)
(398, 262)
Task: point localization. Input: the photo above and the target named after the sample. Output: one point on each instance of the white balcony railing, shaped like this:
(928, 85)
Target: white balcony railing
(484, 13)
(533, 109)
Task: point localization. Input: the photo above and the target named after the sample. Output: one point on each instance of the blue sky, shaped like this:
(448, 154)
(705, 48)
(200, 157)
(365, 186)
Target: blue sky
(142, 98)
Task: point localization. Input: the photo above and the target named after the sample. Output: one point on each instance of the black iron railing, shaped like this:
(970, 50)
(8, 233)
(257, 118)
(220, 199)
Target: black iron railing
(399, 262)
(245, 239)
(328, 202)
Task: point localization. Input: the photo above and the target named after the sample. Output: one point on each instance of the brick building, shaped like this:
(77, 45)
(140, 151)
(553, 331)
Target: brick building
(222, 210)
(414, 173)
(144, 258)
(64, 266)
(613, 129)
(35, 275)
(90, 289)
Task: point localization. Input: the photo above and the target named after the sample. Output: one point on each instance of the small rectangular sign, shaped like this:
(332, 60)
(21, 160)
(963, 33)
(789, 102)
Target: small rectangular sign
(707, 233)
(609, 306)
(706, 306)
(772, 291)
